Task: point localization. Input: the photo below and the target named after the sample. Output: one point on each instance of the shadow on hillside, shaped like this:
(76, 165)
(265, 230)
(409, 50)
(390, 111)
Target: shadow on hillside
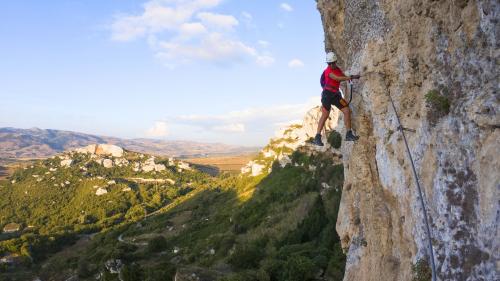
(208, 169)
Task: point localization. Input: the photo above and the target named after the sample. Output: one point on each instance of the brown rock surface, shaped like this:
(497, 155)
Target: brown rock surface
(407, 49)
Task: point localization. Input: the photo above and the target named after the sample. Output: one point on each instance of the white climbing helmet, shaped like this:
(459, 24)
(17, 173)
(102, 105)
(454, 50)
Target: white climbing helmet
(331, 57)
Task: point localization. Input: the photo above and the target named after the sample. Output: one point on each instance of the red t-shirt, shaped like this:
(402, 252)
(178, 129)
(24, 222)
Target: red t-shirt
(331, 84)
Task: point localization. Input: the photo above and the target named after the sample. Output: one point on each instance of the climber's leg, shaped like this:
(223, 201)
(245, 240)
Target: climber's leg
(347, 117)
(349, 136)
(326, 105)
(322, 120)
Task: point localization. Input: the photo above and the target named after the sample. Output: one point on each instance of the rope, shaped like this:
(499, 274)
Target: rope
(424, 210)
(350, 90)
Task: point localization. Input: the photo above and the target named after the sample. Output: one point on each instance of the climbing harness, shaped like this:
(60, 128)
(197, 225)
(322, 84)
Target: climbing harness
(424, 210)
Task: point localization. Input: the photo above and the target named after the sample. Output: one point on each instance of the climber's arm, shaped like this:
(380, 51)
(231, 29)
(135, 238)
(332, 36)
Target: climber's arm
(343, 77)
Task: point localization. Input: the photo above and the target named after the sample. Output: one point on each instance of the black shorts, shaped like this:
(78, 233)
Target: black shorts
(328, 98)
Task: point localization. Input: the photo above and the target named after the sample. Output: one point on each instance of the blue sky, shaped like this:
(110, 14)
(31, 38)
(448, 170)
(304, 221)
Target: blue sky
(230, 71)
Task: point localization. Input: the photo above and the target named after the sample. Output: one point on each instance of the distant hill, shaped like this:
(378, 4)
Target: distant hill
(40, 143)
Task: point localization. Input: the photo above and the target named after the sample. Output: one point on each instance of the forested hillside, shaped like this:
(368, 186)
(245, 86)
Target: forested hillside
(91, 216)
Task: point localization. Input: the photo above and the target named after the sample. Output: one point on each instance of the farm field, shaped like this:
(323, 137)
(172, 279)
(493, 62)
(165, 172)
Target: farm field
(224, 163)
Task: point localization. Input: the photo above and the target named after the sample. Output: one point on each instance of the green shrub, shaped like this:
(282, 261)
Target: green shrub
(3, 268)
(84, 269)
(132, 272)
(336, 265)
(300, 158)
(248, 275)
(438, 101)
(160, 272)
(157, 244)
(298, 268)
(247, 256)
(421, 271)
(135, 213)
(274, 267)
(335, 139)
(310, 228)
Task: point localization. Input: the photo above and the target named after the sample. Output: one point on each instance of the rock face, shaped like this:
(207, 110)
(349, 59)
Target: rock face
(438, 61)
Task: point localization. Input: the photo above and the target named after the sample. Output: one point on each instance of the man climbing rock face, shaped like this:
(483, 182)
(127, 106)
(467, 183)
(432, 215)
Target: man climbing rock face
(332, 76)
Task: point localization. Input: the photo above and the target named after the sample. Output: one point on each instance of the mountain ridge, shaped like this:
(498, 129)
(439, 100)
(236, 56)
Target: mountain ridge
(42, 143)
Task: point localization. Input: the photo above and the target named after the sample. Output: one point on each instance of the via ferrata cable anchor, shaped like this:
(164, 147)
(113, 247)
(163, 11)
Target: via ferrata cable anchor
(401, 128)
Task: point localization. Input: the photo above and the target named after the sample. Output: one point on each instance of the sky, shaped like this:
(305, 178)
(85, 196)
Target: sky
(229, 71)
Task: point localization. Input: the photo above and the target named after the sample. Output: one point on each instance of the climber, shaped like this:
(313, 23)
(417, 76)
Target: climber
(332, 77)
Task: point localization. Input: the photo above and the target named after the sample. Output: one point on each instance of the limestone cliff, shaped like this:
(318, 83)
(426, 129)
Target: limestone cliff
(289, 139)
(438, 60)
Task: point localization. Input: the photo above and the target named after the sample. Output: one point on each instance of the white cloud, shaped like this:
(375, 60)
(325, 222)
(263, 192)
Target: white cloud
(192, 28)
(246, 126)
(218, 20)
(263, 43)
(183, 31)
(154, 19)
(231, 128)
(265, 61)
(160, 129)
(286, 7)
(275, 114)
(247, 16)
(295, 63)
(247, 19)
(214, 47)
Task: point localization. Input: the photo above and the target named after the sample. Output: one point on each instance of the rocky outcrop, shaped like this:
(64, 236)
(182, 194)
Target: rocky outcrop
(101, 191)
(11, 228)
(107, 163)
(66, 163)
(288, 139)
(149, 166)
(102, 149)
(114, 266)
(438, 61)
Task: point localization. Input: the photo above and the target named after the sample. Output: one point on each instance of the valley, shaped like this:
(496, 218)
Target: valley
(232, 164)
(102, 212)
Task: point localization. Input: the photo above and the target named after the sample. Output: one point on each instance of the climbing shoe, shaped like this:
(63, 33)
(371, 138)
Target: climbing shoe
(317, 140)
(349, 136)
